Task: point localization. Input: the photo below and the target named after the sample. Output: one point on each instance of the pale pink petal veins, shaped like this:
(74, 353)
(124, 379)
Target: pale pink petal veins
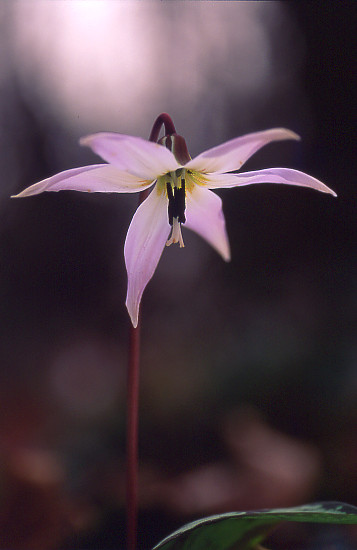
(286, 176)
(138, 156)
(204, 215)
(102, 178)
(145, 241)
(232, 154)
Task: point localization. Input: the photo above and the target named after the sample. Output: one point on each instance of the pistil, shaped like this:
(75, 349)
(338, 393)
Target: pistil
(176, 235)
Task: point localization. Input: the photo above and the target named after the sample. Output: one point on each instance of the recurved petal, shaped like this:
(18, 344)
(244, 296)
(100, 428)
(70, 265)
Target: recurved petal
(145, 241)
(138, 156)
(204, 215)
(102, 178)
(286, 176)
(232, 154)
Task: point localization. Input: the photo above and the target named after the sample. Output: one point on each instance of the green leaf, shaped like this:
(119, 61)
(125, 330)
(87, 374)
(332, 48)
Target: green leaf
(246, 530)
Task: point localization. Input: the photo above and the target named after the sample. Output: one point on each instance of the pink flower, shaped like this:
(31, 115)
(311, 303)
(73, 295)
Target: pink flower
(180, 196)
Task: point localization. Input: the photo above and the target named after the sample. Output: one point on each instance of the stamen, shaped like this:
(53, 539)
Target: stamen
(171, 209)
(176, 235)
(180, 202)
(169, 191)
(177, 201)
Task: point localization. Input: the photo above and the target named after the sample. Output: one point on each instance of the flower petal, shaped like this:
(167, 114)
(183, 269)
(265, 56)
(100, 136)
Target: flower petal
(138, 156)
(234, 153)
(269, 175)
(204, 215)
(145, 241)
(102, 178)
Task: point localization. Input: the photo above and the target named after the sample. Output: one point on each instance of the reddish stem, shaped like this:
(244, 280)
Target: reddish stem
(132, 427)
(133, 388)
(132, 436)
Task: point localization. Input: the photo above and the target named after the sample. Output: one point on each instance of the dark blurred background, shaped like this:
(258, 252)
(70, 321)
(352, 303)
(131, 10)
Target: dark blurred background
(249, 369)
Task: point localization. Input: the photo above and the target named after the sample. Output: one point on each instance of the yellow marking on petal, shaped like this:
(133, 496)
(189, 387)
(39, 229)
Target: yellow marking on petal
(161, 185)
(195, 178)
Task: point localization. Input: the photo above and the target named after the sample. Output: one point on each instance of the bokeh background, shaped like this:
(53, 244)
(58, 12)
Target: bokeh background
(249, 369)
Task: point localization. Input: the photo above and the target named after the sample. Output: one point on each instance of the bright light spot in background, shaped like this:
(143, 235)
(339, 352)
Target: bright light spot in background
(106, 62)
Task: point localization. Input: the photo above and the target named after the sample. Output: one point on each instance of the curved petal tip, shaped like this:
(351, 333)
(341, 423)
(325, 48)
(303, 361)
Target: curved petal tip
(292, 135)
(133, 313)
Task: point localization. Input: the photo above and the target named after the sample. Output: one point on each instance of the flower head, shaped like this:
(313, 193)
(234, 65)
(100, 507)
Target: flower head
(181, 194)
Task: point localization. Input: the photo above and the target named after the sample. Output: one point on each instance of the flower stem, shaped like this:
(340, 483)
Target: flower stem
(133, 388)
(132, 427)
(132, 436)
